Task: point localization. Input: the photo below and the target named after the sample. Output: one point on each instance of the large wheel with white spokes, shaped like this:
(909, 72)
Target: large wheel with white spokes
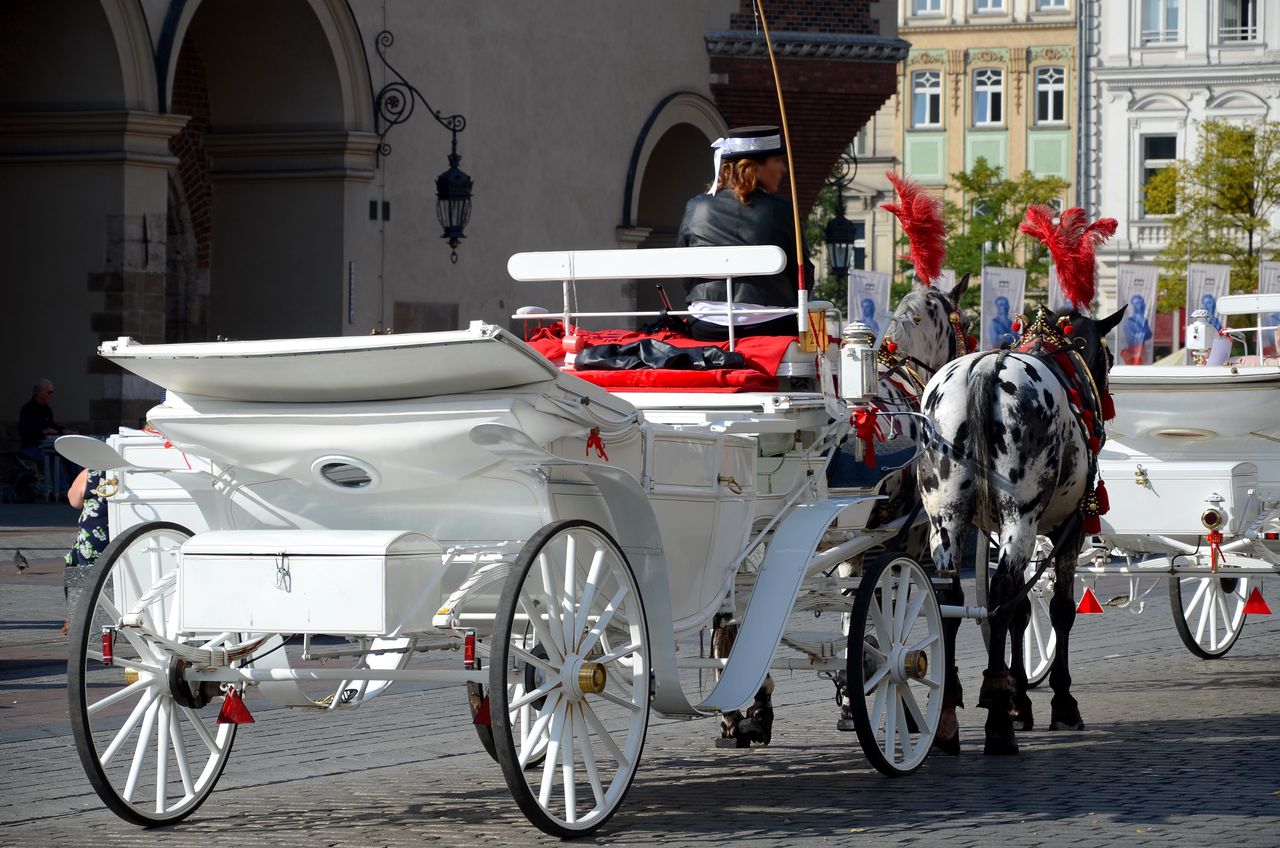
(896, 652)
(569, 678)
(1040, 642)
(149, 741)
(1208, 612)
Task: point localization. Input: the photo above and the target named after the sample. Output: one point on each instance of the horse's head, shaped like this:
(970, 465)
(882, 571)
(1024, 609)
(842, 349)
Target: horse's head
(922, 327)
(1090, 338)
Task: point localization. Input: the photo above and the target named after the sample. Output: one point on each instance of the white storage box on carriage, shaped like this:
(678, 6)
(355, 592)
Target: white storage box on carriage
(345, 582)
(1174, 495)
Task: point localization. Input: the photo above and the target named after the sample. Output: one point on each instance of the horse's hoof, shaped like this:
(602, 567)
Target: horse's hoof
(1000, 747)
(722, 742)
(947, 747)
(1023, 719)
(1066, 725)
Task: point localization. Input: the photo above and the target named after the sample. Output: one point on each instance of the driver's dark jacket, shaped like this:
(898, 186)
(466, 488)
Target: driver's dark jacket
(723, 220)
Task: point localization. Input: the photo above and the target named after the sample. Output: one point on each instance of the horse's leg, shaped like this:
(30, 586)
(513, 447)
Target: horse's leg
(1065, 713)
(948, 540)
(996, 696)
(737, 730)
(1019, 619)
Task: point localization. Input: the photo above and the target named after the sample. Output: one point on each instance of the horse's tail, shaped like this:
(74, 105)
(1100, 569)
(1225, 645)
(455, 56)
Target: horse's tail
(978, 413)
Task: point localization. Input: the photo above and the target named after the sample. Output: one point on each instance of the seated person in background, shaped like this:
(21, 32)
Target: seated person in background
(35, 420)
(742, 209)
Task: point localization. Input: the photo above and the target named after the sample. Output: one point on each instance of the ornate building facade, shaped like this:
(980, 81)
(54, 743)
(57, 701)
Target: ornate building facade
(1158, 68)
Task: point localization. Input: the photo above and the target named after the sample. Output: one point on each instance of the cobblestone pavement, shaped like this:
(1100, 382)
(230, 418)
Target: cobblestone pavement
(1178, 751)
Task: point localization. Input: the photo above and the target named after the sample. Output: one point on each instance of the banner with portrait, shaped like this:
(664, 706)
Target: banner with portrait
(1205, 284)
(1003, 291)
(869, 299)
(1269, 283)
(1134, 339)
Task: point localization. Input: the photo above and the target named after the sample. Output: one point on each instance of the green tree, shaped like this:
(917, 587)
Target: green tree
(991, 209)
(825, 286)
(1218, 205)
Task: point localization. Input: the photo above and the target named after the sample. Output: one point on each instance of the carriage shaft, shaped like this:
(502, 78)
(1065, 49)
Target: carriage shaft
(318, 675)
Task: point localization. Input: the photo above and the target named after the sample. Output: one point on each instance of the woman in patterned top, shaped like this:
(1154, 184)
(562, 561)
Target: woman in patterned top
(91, 538)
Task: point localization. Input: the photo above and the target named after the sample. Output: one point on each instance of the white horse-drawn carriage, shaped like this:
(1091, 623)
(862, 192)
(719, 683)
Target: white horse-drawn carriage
(1192, 464)
(321, 517)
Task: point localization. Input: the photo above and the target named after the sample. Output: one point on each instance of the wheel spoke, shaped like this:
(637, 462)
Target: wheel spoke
(180, 754)
(1038, 635)
(605, 737)
(534, 660)
(549, 591)
(553, 754)
(614, 656)
(877, 706)
(1204, 613)
(567, 775)
(1221, 600)
(890, 720)
(127, 728)
(614, 699)
(877, 621)
(589, 590)
(539, 729)
(569, 615)
(874, 680)
(162, 756)
(140, 750)
(1197, 597)
(589, 758)
(201, 731)
(925, 642)
(530, 697)
(603, 621)
(913, 708)
(116, 697)
(904, 730)
(540, 628)
(913, 611)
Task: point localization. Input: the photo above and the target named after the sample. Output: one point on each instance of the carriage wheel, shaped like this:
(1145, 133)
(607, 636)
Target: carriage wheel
(569, 678)
(896, 650)
(147, 739)
(1208, 612)
(475, 697)
(1040, 642)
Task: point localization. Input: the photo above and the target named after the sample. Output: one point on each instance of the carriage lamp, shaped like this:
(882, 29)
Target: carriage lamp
(469, 650)
(1211, 518)
(108, 642)
(393, 105)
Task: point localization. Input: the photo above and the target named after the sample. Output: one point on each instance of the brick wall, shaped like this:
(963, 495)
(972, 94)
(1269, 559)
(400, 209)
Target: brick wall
(191, 97)
(839, 16)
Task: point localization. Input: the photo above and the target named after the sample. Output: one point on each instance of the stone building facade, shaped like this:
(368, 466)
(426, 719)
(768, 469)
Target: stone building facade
(179, 170)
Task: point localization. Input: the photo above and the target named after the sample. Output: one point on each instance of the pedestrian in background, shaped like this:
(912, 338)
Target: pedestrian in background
(91, 537)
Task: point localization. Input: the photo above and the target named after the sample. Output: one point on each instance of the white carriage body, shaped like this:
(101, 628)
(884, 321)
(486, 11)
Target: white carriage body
(1187, 438)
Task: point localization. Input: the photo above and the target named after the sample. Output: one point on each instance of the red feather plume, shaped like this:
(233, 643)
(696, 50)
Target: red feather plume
(1072, 243)
(921, 219)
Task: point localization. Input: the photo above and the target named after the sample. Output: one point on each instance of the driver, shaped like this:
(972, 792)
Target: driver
(742, 208)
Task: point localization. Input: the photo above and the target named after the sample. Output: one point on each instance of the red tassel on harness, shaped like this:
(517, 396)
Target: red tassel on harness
(1095, 444)
(868, 430)
(1091, 525)
(594, 441)
(1108, 406)
(1104, 502)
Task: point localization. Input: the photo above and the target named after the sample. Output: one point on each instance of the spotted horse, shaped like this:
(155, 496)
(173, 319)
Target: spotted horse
(1015, 436)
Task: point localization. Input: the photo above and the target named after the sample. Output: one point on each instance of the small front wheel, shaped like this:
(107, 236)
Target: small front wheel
(896, 653)
(148, 740)
(1208, 612)
(569, 678)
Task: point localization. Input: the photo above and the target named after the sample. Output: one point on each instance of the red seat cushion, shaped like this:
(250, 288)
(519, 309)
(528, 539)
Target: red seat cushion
(763, 354)
(673, 380)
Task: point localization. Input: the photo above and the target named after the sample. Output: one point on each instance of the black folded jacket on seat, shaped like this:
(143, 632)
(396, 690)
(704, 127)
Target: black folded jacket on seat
(651, 353)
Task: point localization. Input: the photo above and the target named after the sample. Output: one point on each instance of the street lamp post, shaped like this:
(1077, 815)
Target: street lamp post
(841, 234)
(393, 105)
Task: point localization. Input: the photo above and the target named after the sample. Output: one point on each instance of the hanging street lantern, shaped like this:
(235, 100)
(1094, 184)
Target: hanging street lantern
(841, 234)
(453, 201)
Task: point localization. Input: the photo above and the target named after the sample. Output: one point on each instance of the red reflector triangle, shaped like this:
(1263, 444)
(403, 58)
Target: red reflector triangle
(233, 710)
(1089, 603)
(1256, 605)
(482, 712)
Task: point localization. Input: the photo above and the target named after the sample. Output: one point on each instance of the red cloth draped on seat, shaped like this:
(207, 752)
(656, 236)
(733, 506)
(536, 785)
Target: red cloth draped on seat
(671, 379)
(763, 353)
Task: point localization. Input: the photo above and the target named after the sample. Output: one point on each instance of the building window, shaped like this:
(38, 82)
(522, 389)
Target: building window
(1051, 95)
(1158, 153)
(861, 142)
(1051, 5)
(988, 97)
(926, 7)
(988, 6)
(926, 99)
(1239, 21)
(1159, 21)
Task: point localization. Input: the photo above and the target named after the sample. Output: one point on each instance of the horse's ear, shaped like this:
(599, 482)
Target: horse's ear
(1106, 325)
(956, 293)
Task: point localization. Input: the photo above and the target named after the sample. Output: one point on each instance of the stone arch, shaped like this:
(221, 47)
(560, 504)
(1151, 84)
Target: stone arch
(682, 108)
(62, 55)
(280, 143)
(1164, 103)
(1238, 103)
